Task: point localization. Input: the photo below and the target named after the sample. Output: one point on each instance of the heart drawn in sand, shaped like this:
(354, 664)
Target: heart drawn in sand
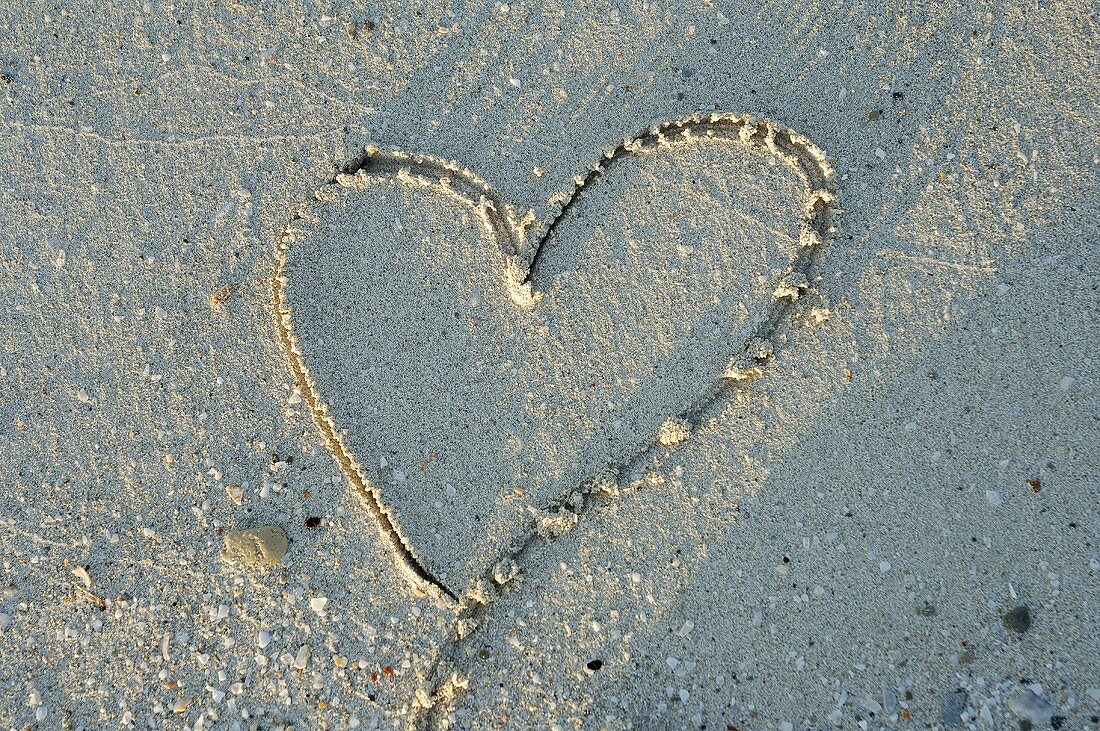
(474, 371)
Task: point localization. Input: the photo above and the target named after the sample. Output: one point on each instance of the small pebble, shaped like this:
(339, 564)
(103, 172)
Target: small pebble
(1031, 707)
(260, 547)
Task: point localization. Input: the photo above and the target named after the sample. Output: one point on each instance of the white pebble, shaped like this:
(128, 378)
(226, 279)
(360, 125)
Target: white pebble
(302, 658)
(1030, 707)
(263, 639)
(318, 603)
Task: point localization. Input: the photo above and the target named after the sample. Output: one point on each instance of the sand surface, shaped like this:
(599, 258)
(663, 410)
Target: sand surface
(775, 422)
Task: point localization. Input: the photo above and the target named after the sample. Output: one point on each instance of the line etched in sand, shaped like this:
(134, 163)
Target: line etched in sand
(521, 239)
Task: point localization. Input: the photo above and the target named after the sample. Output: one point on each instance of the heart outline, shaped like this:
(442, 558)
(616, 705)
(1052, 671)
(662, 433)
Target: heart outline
(515, 234)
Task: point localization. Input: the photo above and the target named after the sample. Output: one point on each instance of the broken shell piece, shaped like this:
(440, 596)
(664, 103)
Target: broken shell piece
(260, 547)
(235, 493)
(82, 573)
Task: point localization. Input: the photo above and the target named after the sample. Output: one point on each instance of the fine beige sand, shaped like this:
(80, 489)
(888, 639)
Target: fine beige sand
(561, 366)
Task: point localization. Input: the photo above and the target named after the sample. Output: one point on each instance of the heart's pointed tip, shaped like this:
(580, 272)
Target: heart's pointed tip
(518, 284)
(524, 295)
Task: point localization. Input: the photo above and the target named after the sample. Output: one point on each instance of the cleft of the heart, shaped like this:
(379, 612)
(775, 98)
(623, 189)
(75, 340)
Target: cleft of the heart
(470, 368)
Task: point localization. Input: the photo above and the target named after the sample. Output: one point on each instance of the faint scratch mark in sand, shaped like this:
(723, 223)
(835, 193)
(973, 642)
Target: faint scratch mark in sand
(168, 141)
(987, 268)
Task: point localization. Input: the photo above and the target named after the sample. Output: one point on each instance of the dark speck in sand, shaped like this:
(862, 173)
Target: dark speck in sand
(1018, 619)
